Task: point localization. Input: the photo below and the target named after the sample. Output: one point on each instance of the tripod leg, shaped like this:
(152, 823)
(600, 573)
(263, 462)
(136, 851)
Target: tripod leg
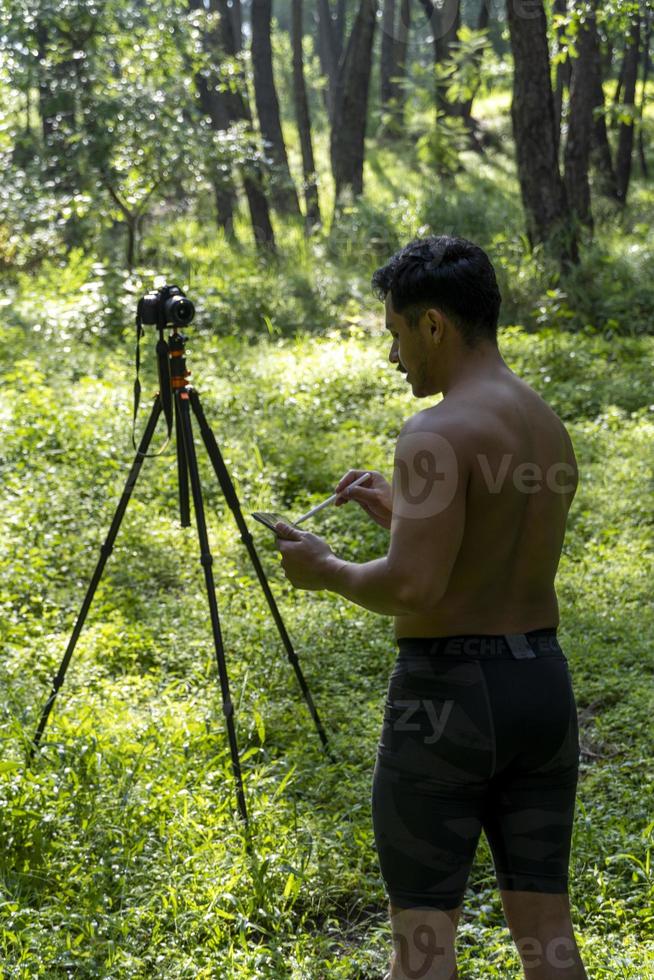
(230, 496)
(207, 561)
(182, 471)
(105, 551)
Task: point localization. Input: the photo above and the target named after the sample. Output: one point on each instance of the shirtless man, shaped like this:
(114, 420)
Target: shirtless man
(480, 722)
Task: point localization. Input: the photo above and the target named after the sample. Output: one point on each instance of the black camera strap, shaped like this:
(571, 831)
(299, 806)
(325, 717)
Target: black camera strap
(137, 381)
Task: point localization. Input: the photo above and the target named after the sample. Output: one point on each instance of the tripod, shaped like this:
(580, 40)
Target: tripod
(173, 381)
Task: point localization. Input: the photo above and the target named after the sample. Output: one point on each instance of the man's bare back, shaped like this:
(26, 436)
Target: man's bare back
(523, 477)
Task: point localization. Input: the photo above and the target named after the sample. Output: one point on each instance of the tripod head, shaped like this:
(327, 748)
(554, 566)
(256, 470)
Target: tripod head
(165, 305)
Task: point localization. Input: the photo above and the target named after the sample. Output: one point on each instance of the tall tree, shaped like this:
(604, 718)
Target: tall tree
(601, 154)
(392, 66)
(649, 15)
(303, 119)
(240, 111)
(339, 27)
(231, 106)
(532, 115)
(237, 23)
(583, 86)
(347, 146)
(563, 70)
(444, 21)
(626, 130)
(282, 188)
(398, 81)
(328, 52)
(215, 108)
(387, 59)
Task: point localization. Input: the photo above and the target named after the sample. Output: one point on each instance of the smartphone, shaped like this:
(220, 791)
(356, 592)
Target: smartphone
(270, 520)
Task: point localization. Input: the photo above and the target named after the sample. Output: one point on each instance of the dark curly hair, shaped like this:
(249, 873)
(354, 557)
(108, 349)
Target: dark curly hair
(451, 274)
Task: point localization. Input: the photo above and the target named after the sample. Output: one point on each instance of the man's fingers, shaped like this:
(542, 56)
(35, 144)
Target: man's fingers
(363, 493)
(345, 481)
(358, 495)
(286, 532)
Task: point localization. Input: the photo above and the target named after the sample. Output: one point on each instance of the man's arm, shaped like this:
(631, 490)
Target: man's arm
(371, 585)
(430, 482)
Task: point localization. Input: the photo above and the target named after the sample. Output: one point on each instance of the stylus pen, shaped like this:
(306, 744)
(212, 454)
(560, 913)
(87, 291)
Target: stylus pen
(330, 500)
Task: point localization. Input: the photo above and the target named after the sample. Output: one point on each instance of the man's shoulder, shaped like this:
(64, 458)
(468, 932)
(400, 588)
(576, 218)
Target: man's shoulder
(453, 421)
(437, 433)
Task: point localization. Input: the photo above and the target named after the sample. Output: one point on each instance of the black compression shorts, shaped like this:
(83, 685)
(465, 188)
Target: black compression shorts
(479, 732)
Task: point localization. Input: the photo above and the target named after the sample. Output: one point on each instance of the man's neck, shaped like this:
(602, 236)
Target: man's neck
(479, 364)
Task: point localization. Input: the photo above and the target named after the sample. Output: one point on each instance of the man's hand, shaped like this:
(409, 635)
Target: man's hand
(374, 497)
(307, 560)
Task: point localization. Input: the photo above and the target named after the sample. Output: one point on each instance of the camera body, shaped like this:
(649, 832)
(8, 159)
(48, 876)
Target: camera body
(168, 304)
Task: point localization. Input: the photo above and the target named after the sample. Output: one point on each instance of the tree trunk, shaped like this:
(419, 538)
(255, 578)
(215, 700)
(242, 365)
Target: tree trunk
(601, 155)
(583, 86)
(641, 108)
(239, 108)
(223, 108)
(351, 103)
(617, 95)
(237, 23)
(432, 16)
(444, 22)
(214, 106)
(448, 22)
(483, 20)
(225, 197)
(264, 235)
(394, 45)
(563, 70)
(282, 188)
(626, 131)
(532, 115)
(387, 60)
(327, 52)
(131, 242)
(303, 119)
(339, 29)
(398, 92)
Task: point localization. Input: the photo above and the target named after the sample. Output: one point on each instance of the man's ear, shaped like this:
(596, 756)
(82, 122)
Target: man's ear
(436, 322)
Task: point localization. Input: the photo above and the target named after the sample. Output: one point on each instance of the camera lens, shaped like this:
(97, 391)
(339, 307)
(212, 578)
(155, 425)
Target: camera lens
(179, 310)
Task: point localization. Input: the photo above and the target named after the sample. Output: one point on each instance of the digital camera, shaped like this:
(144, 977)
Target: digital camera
(166, 305)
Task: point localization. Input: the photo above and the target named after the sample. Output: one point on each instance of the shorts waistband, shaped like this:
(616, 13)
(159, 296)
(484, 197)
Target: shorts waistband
(483, 646)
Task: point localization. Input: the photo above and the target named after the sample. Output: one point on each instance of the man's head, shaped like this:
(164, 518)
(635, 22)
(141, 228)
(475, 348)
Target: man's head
(442, 307)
